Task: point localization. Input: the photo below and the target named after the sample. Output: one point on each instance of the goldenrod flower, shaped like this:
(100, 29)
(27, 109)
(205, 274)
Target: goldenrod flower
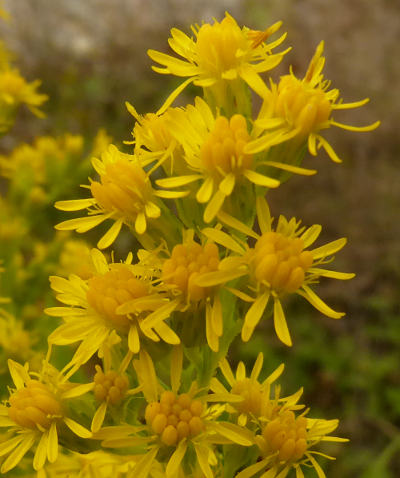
(92, 314)
(15, 90)
(285, 443)
(214, 150)
(279, 264)
(221, 54)
(34, 414)
(111, 387)
(178, 275)
(255, 395)
(177, 424)
(298, 109)
(124, 194)
(75, 258)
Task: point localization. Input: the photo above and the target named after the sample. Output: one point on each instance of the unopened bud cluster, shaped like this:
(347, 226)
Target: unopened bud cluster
(34, 406)
(175, 417)
(186, 263)
(223, 150)
(110, 386)
(287, 435)
(281, 262)
(252, 395)
(108, 291)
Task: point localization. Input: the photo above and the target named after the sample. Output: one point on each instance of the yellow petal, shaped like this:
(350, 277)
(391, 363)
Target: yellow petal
(19, 452)
(78, 429)
(110, 236)
(260, 179)
(52, 443)
(176, 367)
(329, 249)
(176, 459)
(281, 327)
(256, 310)
(214, 206)
(75, 204)
(178, 181)
(319, 304)
(222, 238)
(98, 417)
(41, 452)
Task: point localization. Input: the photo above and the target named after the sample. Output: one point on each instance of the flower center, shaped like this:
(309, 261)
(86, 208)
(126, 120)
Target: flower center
(108, 291)
(34, 406)
(287, 435)
(252, 395)
(222, 152)
(186, 263)
(218, 44)
(123, 188)
(303, 106)
(110, 386)
(281, 262)
(175, 417)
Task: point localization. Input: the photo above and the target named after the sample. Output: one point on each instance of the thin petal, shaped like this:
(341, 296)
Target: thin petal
(41, 452)
(263, 214)
(281, 327)
(19, 452)
(75, 204)
(256, 310)
(78, 429)
(329, 249)
(319, 304)
(260, 179)
(176, 459)
(110, 236)
(52, 443)
(98, 417)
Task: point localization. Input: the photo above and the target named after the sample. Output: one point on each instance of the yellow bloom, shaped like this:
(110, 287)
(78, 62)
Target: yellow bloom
(15, 341)
(124, 194)
(34, 413)
(220, 56)
(298, 109)
(75, 258)
(93, 313)
(111, 387)
(15, 90)
(285, 443)
(214, 150)
(255, 395)
(178, 275)
(176, 424)
(279, 264)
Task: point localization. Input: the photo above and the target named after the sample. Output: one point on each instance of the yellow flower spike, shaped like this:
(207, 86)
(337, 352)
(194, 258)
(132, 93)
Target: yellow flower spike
(214, 151)
(296, 110)
(114, 301)
(124, 194)
(279, 264)
(176, 422)
(35, 410)
(220, 54)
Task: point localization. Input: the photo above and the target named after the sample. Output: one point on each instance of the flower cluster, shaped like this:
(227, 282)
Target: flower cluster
(147, 338)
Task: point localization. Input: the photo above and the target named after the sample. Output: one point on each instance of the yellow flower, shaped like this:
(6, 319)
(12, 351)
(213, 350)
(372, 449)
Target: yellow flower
(214, 150)
(75, 259)
(176, 424)
(124, 194)
(15, 341)
(92, 314)
(279, 264)
(298, 109)
(15, 90)
(285, 443)
(110, 388)
(34, 413)
(178, 275)
(255, 395)
(220, 56)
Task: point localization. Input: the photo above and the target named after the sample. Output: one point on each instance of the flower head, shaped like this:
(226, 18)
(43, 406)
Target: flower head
(177, 424)
(219, 55)
(34, 413)
(214, 151)
(93, 313)
(123, 194)
(296, 110)
(279, 264)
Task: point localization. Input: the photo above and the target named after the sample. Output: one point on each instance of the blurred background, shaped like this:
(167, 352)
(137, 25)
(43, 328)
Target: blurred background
(91, 57)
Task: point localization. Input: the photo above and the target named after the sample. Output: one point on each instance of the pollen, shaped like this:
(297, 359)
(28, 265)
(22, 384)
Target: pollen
(287, 435)
(110, 387)
(303, 106)
(108, 291)
(252, 395)
(186, 263)
(124, 188)
(34, 406)
(175, 417)
(281, 261)
(223, 149)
